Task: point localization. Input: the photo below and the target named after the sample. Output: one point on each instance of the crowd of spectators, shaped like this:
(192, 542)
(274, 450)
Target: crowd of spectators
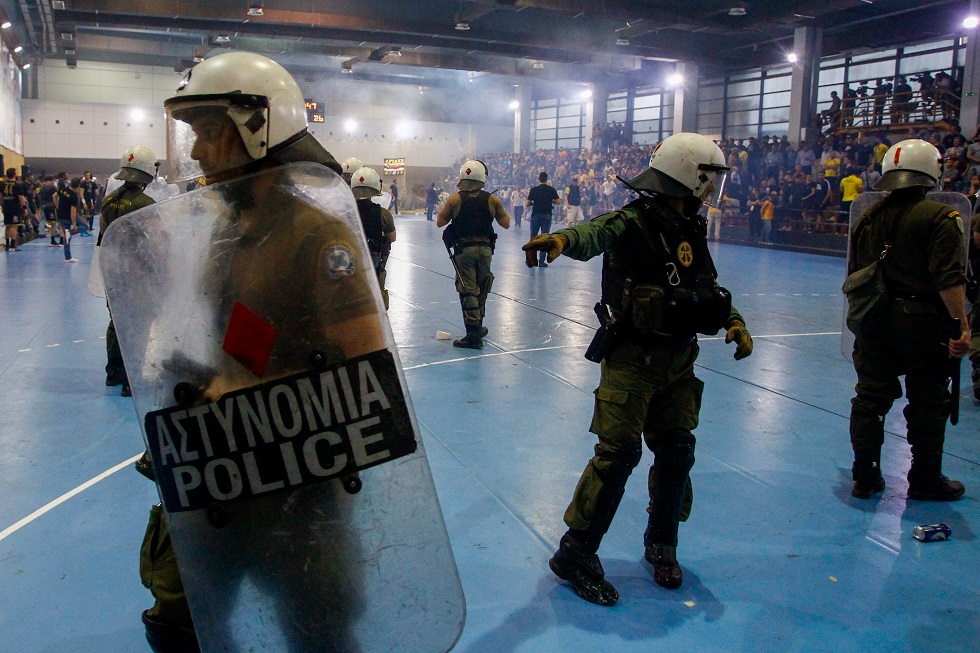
(801, 185)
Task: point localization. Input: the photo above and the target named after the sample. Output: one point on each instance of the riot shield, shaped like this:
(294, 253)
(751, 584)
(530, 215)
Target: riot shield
(159, 190)
(263, 369)
(957, 201)
(383, 200)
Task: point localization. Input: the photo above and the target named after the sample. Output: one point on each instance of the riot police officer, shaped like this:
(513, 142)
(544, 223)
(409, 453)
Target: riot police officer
(235, 114)
(470, 215)
(137, 168)
(925, 280)
(659, 282)
(348, 167)
(379, 226)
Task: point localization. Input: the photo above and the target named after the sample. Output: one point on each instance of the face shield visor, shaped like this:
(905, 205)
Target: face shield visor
(712, 188)
(211, 136)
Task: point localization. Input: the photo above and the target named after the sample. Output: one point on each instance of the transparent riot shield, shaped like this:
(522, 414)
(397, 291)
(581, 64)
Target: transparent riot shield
(301, 505)
(957, 201)
(159, 190)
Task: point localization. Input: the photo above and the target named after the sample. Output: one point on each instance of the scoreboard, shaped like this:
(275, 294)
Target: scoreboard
(314, 113)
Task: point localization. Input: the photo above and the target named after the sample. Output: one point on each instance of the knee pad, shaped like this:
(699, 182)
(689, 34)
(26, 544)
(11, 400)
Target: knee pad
(621, 465)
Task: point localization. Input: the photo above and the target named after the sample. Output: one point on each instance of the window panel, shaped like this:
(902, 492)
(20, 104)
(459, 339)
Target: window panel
(643, 101)
(570, 121)
(872, 71)
(922, 62)
(570, 132)
(832, 77)
(743, 118)
(934, 45)
(652, 113)
(570, 110)
(743, 103)
(546, 103)
(546, 123)
(872, 56)
(774, 84)
(780, 114)
(775, 100)
(744, 88)
(544, 113)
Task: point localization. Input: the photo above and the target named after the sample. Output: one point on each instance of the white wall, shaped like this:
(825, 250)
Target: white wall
(87, 113)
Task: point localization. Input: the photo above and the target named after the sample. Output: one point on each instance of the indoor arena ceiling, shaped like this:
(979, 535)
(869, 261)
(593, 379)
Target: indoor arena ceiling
(394, 40)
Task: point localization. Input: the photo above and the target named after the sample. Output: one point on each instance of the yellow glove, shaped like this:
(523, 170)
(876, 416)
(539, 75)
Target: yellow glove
(743, 340)
(554, 244)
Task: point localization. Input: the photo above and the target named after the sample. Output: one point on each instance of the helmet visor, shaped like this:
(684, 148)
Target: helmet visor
(713, 193)
(213, 137)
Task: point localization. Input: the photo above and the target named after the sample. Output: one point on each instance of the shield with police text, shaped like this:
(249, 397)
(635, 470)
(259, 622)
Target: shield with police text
(274, 408)
(957, 201)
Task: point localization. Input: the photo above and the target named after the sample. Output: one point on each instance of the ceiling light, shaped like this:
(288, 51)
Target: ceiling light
(350, 125)
(538, 64)
(586, 94)
(69, 52)
(675, 80)
(804, 16)
(255, 9)
(622, 41)
(6, 25)
(26, 66)
(736, 11)
(347, 71)
(19, 48)
(222, 38)
(462, 26)
(792, 58)
(514, 105)
(970, 22)
(137, 115)
(58, 4)
(395, 52)
(67, 36)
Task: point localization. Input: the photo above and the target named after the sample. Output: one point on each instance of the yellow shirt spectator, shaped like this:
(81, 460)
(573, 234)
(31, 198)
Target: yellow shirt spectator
(830, 167)
(850, 187)
(768, 210)
(880, 150)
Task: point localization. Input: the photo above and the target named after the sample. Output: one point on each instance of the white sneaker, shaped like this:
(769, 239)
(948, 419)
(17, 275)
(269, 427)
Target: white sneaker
(71, 260)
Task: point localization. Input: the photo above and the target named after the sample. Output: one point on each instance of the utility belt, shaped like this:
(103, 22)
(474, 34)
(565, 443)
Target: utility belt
(653, 314)
(657, 310)
(474, 241)
(912, 303)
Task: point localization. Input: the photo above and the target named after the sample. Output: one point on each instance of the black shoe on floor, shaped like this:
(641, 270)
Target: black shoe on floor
(484, 331)
(114, 379)
(164, 638)
(583, 571)
(125, 392)
(469, 341)
(145, 466)
(865, 489)
(666, 571)
(936, 488)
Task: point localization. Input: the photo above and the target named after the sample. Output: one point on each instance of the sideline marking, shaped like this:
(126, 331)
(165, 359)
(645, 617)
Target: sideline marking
(7, 532)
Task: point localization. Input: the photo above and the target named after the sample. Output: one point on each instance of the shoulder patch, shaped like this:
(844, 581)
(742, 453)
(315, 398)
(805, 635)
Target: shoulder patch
(339, 261)
(959, 222)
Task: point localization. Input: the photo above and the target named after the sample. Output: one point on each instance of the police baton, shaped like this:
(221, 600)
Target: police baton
(954, 373)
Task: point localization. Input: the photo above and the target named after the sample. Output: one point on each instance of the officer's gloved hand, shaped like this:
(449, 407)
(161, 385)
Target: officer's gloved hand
(554, 244)
(743, 340)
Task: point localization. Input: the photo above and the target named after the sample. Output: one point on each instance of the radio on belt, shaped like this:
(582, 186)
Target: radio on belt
(932, 532)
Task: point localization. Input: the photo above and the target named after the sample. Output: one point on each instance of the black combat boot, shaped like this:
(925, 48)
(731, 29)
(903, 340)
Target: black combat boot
(663, 557)
(867, 478)
(928, 483)
(164, 638)
(472, 340)
(582, 569)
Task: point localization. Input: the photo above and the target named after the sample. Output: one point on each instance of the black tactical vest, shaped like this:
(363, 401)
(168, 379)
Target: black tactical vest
(475, 217)
(373, 225)
(664, 249)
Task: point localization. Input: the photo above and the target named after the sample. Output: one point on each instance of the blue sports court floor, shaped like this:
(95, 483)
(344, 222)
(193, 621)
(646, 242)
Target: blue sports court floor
(777, 556)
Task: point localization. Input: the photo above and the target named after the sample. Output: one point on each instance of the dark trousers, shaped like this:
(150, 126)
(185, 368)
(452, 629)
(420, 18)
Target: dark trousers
(429, 208)
(541, 223)
(518, 214)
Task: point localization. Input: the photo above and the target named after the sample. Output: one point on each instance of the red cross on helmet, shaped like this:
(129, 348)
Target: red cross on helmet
(472, 175)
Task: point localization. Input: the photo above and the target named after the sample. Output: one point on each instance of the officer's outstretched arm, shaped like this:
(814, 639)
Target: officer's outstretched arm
(553, 244)
(738, 334)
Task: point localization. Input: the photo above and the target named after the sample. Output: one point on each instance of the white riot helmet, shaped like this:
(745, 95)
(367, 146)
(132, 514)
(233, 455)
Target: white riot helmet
(138, 164)
(912, 162)
(352, 164)
(365, 183)
(685, 165)
(260, 96)
(472, 175)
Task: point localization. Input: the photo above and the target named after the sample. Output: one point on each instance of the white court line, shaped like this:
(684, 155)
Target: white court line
(109, 472)
(64, 497)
